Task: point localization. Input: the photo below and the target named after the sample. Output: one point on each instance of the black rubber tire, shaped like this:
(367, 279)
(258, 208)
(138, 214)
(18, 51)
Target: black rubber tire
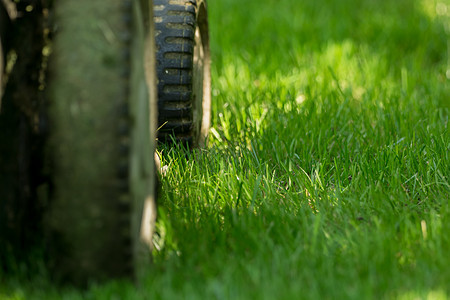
(102, 88)
(183, 69)
(5, 32)
(4, 24)
(21, 135)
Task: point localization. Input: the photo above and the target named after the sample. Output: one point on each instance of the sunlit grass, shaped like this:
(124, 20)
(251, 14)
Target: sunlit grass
(328, 160)
(326, 174)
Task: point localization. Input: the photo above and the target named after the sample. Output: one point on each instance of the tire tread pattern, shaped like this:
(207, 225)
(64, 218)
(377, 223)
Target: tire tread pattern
(175, 23)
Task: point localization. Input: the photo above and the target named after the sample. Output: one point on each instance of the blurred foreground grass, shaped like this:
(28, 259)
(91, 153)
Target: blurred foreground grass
(327, 170)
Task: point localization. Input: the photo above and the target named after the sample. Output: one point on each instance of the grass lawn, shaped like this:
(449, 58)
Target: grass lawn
(327, 171)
